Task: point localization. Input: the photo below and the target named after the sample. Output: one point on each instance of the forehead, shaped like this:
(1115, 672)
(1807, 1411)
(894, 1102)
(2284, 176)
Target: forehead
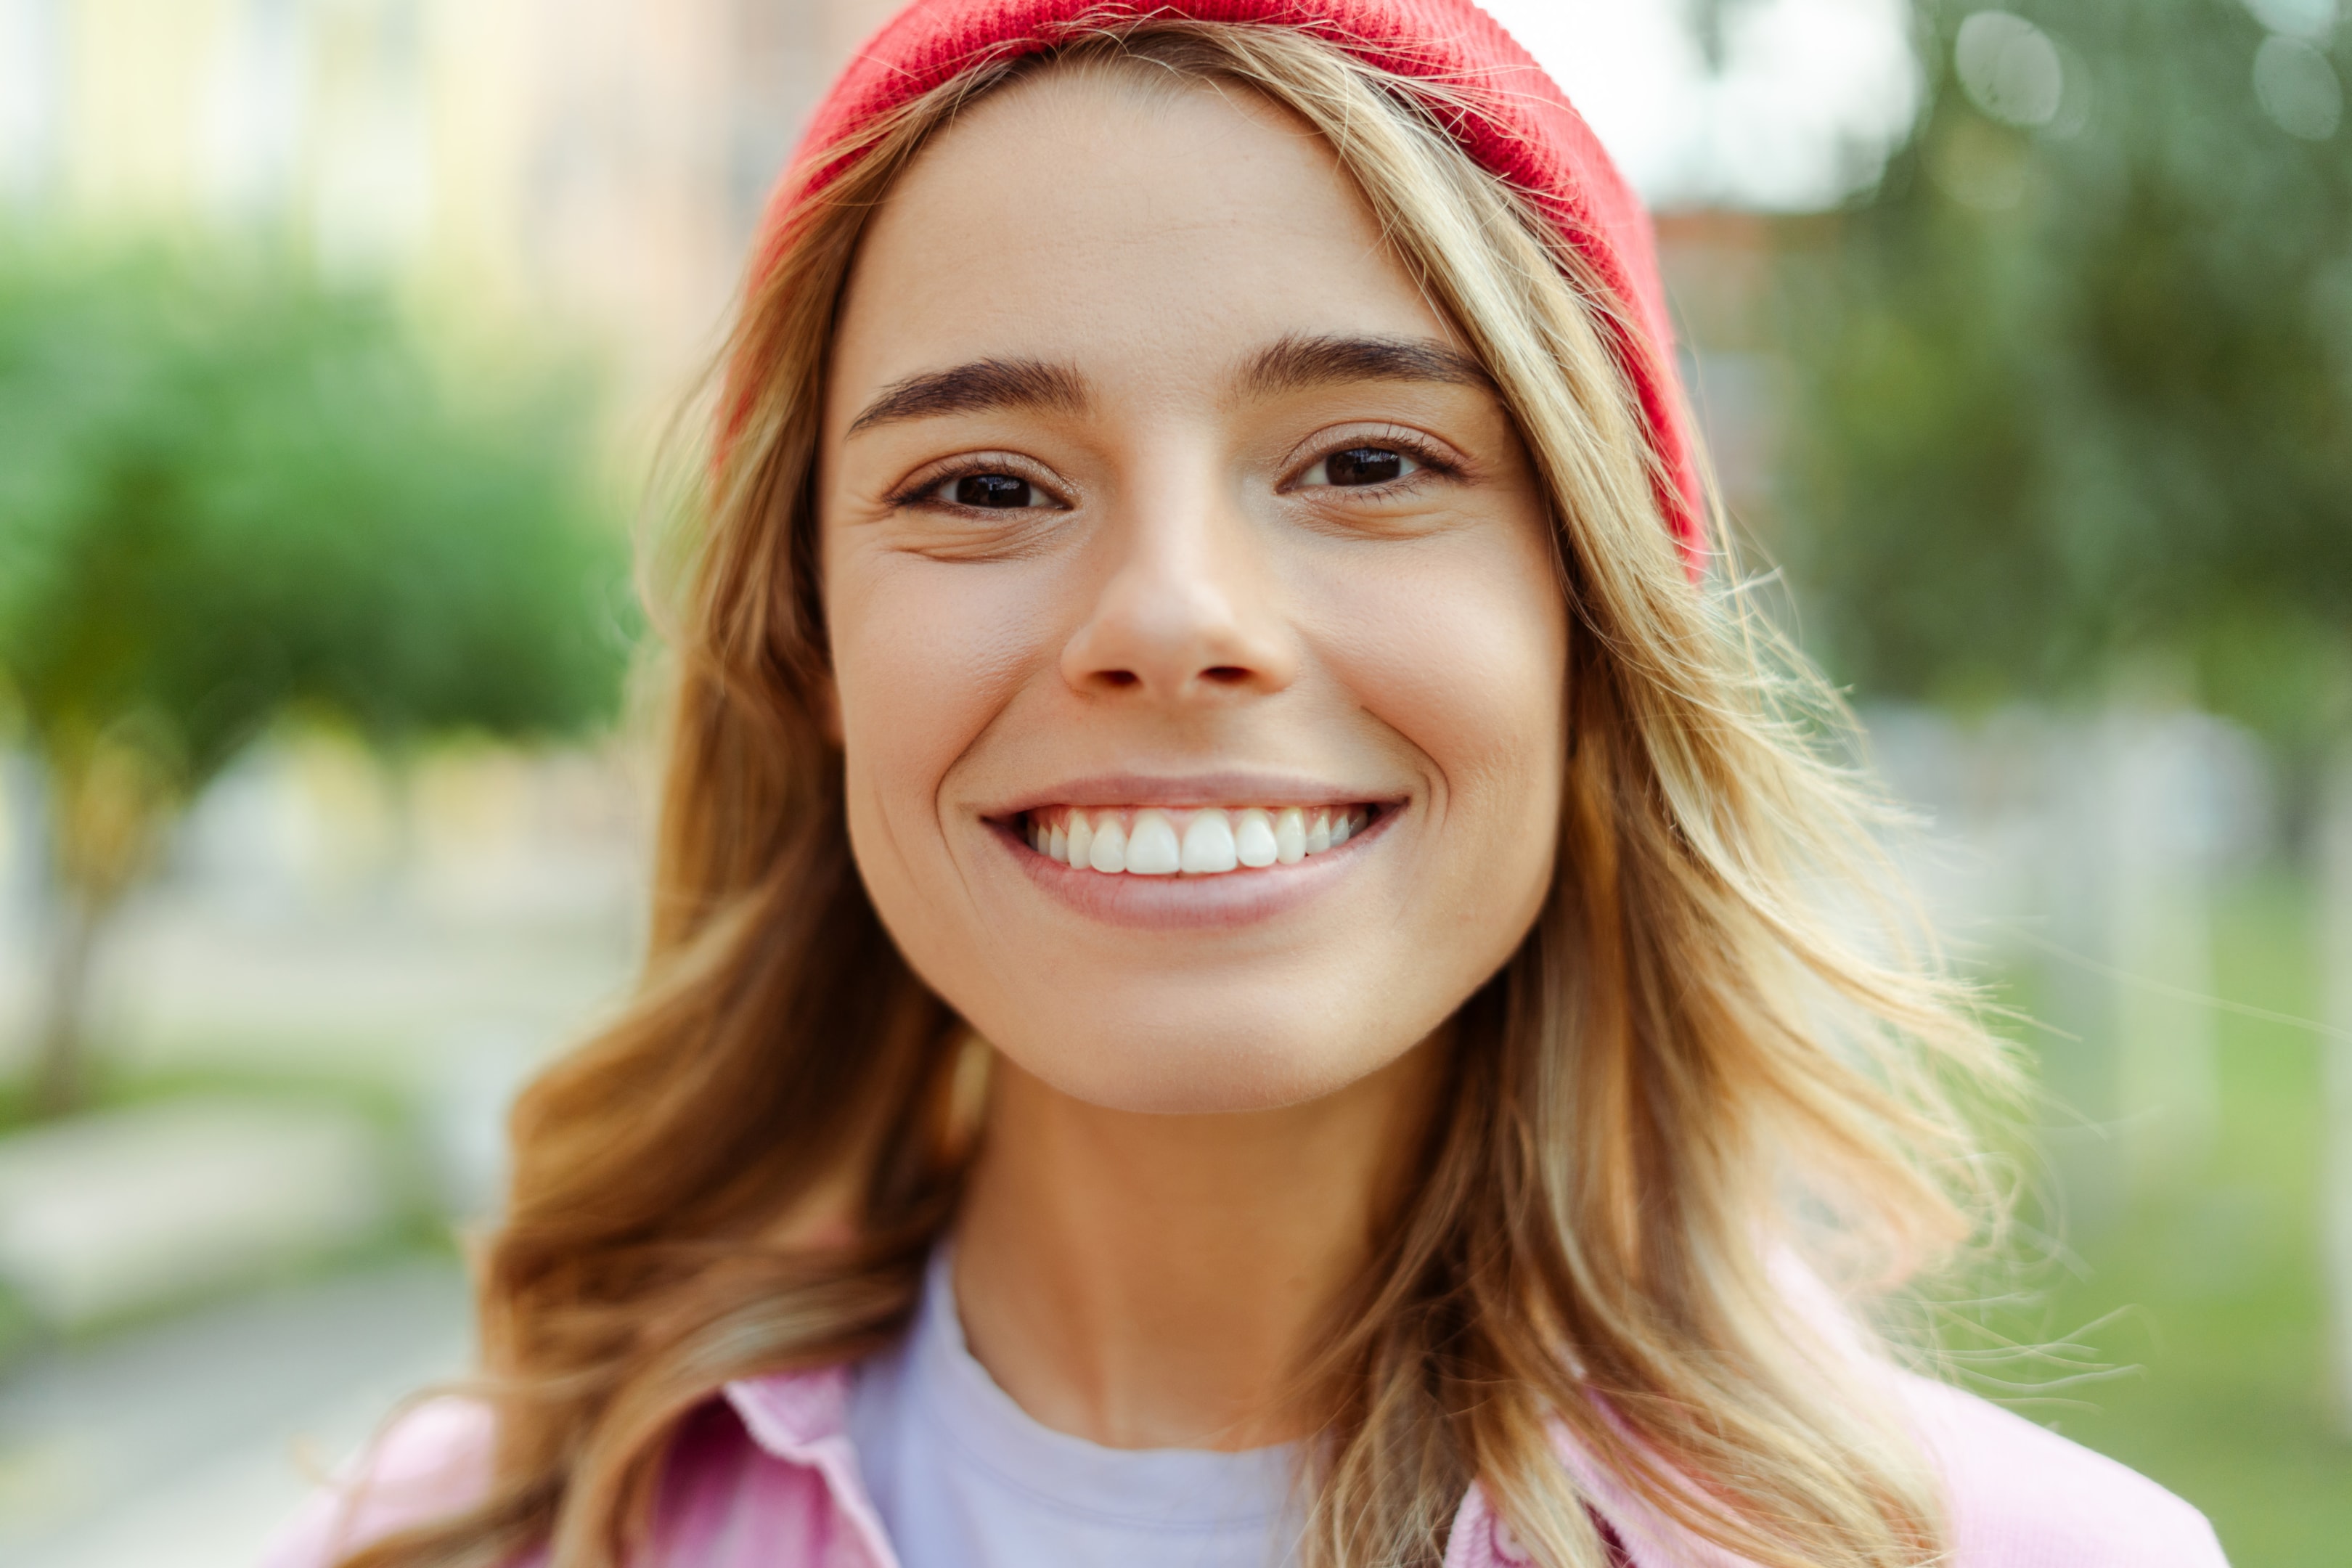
(1148, 233)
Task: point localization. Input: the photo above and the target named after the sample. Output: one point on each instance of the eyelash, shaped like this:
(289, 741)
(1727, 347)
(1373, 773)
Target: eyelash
(919, 490)
(1433, 462)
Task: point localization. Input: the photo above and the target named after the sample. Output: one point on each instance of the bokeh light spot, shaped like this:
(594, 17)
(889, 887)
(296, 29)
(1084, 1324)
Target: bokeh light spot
(2297, 88)
(2312, 20)
(2009, 69)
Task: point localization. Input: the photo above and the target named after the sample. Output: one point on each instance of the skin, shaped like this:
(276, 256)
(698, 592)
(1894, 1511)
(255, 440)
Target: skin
(1206, 1086)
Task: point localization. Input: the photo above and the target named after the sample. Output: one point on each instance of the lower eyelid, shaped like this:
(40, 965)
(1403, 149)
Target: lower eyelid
(999, 512)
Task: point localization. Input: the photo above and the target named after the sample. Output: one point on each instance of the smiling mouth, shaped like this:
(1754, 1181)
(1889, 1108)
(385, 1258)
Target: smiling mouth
(1200, 841)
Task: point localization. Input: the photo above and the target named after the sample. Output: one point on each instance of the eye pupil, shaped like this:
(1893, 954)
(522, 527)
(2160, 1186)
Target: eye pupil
(991, 490)
(1363, 465)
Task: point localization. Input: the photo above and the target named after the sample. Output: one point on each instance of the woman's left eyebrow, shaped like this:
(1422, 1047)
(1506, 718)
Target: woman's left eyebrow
(1294, 363)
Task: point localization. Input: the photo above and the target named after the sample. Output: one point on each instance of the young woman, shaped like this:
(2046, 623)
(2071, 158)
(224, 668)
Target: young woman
(1249, 965)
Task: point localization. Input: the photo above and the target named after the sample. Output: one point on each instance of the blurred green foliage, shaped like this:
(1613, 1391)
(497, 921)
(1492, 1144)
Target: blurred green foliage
(2073, 384)
(224, 492)
(2203, 1316)
(2073, 410)
(228, 493)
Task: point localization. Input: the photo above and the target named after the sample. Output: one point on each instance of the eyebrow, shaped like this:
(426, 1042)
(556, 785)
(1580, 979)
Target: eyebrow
(982, 384)
(1292, 364)
(1298, 364)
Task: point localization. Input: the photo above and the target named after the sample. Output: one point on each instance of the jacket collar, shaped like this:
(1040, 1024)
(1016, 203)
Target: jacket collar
(801, 1419)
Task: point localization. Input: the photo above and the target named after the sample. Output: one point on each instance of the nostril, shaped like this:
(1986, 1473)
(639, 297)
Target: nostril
(1225, 674)
(1120, 677)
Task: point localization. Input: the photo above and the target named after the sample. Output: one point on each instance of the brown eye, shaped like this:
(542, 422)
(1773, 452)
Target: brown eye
(1359, 466)
(992, 490)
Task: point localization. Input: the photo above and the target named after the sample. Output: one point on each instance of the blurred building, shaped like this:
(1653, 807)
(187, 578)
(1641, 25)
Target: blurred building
(593, 165)
(1721, 267)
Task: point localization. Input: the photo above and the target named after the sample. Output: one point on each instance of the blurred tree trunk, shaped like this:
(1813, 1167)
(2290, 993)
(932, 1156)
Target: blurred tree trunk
(2160, 786)
(60, 1070)
(2080, 1060)
(109, 798)
(2335, 976)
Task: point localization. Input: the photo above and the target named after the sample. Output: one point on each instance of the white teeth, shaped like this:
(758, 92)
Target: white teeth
(1213, 839)
(1152, 847)
(1109, 851)
(1209, 842)
(1254, 840)
(1290, 835)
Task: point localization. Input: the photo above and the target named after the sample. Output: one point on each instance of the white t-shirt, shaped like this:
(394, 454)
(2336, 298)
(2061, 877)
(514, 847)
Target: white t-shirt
(964, 1478)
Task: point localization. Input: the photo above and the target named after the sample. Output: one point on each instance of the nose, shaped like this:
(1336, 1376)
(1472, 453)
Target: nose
(1187, 614)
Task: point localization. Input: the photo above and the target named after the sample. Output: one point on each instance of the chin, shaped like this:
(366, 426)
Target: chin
(1202, 1066)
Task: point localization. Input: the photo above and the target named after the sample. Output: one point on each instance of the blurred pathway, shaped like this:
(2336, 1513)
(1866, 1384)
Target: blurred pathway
(183, 1445)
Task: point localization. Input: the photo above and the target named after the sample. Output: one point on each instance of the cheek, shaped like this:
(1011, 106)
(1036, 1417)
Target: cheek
(1466, 659)
(1465, 656)
(925, 655)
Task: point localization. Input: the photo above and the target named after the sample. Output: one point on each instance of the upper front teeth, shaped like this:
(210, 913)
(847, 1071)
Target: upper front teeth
(1153, 842)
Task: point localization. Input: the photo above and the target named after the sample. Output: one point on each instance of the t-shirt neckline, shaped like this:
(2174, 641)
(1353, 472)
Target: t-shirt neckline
(1170, 1488)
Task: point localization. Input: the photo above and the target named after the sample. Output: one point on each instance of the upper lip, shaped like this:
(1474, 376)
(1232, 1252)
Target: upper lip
(1224, 788)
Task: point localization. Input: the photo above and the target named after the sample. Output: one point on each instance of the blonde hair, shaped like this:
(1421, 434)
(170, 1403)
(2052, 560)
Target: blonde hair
(744, 1173)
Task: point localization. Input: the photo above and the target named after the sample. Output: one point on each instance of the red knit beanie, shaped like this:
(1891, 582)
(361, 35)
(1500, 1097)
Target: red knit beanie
(1522, 130)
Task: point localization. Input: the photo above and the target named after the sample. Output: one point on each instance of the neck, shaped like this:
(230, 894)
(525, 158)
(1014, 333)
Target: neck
(1158, 1281)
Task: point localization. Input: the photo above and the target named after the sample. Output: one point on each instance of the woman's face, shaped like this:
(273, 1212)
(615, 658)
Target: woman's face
(1194, 613)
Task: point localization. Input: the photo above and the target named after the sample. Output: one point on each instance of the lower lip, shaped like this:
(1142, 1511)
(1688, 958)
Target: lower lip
(1223, 898)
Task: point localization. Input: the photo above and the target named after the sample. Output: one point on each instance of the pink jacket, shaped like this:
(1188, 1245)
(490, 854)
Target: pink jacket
(767, 1478)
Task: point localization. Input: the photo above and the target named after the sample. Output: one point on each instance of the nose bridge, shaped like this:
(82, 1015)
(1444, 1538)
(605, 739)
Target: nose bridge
(1186, 610)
